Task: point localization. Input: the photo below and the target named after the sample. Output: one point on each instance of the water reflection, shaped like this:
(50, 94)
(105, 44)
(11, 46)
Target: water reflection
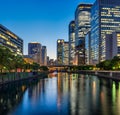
(66, 94)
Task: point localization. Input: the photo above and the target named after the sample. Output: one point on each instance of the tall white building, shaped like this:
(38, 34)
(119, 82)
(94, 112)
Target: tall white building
(71, 42)
(82, 27)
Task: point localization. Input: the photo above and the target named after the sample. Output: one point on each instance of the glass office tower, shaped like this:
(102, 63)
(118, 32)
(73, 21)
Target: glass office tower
(105, 19)
(87, 49)
(60, 43)
(10, 40)
(71, 42)
(34, 50)
(44, 55)
(65, 53)
(82, 23)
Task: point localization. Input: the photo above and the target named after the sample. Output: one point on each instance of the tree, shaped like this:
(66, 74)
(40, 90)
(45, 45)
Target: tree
(44, 68)
(35, 66)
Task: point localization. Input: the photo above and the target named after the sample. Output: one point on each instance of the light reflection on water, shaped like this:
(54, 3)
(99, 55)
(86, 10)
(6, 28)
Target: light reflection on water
(66, 94)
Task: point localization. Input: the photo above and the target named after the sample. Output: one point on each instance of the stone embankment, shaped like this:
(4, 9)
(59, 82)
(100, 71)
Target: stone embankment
(106, 74)
(6, 78)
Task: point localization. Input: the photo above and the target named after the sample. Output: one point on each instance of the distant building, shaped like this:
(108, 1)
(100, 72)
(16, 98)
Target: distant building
(44, 55)
(105, 20)
(82, 23)
(34, 50)
(11, 40)
(71, 42)
(65, 56)
(28, 59)
(48, 60)
(51, 62)
(60, 43)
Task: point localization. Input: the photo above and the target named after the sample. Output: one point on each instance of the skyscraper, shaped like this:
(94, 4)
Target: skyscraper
(82, 23)
(10, 40)
(87, 49)
(105, 16)
(34, 50)
(112, 44)
(60, 43)
(44, 55)
(71, 42)
(65, 56)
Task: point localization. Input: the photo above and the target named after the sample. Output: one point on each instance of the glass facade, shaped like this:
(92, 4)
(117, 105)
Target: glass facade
(82, 22)
(34, 50)
(95, 33)
(10, 40)
(87, 49)
(65, 53)
(44, 55)
(105, 20)
(115, 44)
(60, 43)
(71, 42)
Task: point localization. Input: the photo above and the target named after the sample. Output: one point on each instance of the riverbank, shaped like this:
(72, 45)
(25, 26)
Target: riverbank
(115, 75)
(6, 78)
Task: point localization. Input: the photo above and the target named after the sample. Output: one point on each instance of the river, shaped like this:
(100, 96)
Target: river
(64, 94)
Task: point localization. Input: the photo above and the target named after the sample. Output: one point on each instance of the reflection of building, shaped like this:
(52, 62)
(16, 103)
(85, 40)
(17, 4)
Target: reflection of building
(105, 20)
(60, 43)
(82, 23)
(34, 50)
(10, 40)
(44, 55)
(71, 42)
(65, 56)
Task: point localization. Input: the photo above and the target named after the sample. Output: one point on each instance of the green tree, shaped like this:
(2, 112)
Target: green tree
(44, 68)
(35, 66)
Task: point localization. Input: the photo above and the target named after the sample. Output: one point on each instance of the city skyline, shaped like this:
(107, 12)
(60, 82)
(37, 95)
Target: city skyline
(39, 21)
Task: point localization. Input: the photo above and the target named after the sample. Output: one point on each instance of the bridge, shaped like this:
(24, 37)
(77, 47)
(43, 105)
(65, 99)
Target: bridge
(58, 67)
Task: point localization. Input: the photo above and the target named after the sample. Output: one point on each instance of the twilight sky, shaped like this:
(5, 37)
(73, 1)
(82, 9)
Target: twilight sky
(42, 21)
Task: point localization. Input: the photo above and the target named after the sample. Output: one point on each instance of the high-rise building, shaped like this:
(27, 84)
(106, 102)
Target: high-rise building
(82, 23)
(112, 44)
(60, 43)
(105, 19)
(10, 40)
(48, 59)
(34, 50)
(44, 55)
(71, 42)
(87, 49)
(65, 56)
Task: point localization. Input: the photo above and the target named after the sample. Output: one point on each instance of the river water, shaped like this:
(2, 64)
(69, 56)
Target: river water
(64, 94)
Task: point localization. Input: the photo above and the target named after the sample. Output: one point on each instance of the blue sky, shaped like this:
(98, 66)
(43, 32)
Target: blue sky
(42, 21)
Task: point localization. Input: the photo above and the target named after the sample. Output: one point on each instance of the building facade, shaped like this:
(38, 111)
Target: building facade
(44, 56)
(60, 43)
(34, 50)
(82, 23)
(10, 40)
(71, 42)
(105, 19)
(65, 51)
(87, 49)
(112, 44)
